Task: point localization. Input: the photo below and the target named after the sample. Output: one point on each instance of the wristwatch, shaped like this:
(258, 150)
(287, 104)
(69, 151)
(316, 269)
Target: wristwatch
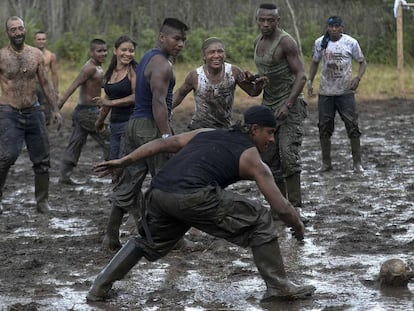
(165, 136)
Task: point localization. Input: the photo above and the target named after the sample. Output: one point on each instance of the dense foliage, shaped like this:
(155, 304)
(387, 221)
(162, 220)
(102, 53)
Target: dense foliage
(72, 24)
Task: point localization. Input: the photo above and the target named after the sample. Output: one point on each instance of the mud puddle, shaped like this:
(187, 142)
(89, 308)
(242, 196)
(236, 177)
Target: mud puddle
(356, 222)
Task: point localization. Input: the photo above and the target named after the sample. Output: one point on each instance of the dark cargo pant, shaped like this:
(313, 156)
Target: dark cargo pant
(220, 213)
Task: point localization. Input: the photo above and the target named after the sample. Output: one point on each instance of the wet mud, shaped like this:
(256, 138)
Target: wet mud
(356, 222)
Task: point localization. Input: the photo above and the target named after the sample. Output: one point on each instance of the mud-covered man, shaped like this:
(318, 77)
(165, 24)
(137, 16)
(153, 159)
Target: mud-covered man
(90, 81)
(21, 117)
(337, 51)
(277, 56)
(51, 70)
(190, 191)
(214, 86)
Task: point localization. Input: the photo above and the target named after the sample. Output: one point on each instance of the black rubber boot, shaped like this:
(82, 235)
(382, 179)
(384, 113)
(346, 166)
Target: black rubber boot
(326, 154)
(111, 239)
(42, 193)
(118, 267)
(293, 190)
(356, 155)
(3, 177)
(294, 194)
(66, 170)
(270, 265)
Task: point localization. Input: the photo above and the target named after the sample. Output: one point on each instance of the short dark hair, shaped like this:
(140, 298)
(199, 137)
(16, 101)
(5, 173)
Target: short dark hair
(40, 32)
(173, 23)
(268, 6)
(95, 42)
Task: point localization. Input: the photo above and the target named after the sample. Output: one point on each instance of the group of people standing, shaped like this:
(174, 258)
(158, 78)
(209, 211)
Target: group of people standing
(189, 189)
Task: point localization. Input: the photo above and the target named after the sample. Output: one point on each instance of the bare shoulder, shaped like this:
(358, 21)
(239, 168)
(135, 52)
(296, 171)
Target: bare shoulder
(235, 69)
(192, 77)
(251, 164)
(289, 44)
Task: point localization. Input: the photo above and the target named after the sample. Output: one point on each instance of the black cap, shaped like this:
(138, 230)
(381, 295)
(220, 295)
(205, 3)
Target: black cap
(335, 21)
(260, 115)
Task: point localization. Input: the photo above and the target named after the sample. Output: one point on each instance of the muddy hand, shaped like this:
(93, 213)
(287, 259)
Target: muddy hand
(97, 101)
(298, 231)
(105, 168)
(58, 120)
(282, 113)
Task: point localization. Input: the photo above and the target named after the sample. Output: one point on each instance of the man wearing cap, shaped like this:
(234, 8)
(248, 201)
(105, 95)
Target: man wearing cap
(189, 191)
(337, 88)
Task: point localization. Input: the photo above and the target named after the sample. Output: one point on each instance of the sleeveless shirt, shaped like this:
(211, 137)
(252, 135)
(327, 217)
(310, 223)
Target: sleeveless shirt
(281, 78)
(143, 94)
(214, 102)
(210, 158)
(118, 90)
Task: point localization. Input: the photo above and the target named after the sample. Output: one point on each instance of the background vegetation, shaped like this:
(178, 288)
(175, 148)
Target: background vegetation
(72, 24)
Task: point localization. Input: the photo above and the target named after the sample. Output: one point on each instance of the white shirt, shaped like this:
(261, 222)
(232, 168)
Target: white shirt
(336, 73)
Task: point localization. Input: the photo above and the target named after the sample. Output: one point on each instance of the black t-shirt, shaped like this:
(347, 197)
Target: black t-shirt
(210, 158)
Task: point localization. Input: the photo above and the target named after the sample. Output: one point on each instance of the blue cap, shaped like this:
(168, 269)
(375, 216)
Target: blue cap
(335, 21)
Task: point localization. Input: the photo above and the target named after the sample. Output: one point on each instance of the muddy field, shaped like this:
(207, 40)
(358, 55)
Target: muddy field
(357, 221)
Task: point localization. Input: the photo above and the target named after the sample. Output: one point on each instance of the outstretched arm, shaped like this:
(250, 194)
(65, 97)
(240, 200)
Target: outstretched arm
(170, 145)
(86, 72)
(190, 84)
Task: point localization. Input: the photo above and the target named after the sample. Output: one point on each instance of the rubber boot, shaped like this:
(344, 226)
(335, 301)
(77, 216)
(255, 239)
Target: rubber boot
(294, 194)
(111, 239)
(117, 268)
(293, 189)
(66, 170)
(42, 193)
(326, 154)
(356, 155)
(3, 177)
(269, 262)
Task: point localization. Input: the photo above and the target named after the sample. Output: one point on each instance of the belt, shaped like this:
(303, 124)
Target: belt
(30, 109)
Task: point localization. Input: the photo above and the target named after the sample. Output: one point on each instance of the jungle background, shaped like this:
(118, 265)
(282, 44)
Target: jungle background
(72, 24)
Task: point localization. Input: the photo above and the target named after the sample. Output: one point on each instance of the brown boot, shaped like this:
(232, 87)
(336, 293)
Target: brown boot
(117, 268)
(42, 193)
(111, 239)
(326, 154)
(269, 262)
(356, 155)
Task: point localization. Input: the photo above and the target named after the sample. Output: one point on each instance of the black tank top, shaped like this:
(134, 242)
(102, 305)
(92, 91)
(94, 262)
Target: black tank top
(210, 158)
(119, 90)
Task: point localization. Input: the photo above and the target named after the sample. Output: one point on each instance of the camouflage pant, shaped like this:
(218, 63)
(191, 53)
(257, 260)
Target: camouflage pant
(283, 157)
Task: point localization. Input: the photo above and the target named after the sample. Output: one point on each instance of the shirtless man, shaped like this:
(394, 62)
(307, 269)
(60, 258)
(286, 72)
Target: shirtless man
(90, 80)
(214, 86)
(21, 66)
(51, 71)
